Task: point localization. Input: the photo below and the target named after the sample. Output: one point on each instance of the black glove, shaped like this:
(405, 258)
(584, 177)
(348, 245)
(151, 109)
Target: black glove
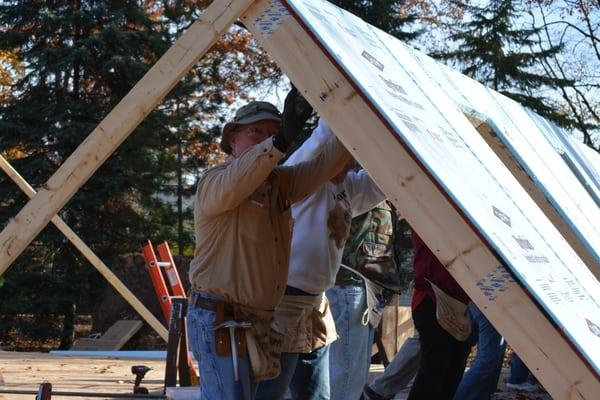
(296, 111)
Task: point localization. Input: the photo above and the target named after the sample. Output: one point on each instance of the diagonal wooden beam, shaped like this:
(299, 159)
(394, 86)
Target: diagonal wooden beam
(90, 255)
(117, 126)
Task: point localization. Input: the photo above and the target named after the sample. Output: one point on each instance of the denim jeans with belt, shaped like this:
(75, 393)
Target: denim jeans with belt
(481, 380)
(216, 372)
(350, 356)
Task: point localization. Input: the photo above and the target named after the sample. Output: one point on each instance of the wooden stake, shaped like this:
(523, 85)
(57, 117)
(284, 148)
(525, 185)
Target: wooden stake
(117, 126)
(90, 255)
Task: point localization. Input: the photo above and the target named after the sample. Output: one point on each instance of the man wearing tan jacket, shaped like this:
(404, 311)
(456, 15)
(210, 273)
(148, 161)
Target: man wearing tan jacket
(243, 232)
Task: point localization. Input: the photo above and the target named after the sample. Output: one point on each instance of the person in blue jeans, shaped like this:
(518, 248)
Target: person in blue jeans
(481, 380)
(351, 353)
(242, 221)
(398, 374)
(519, 377)
(357, 304)
(214, 368)
(306, 375)
(321, 227)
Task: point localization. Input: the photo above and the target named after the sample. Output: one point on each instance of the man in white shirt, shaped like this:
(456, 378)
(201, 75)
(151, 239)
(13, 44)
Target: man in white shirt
(321, 226)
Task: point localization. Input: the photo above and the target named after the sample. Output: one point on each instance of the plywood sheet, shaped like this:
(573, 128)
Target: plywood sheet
(574, 154)
(524, 137)
(427, 157)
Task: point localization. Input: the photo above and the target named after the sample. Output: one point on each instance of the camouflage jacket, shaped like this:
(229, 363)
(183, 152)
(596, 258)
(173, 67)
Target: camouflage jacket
(370, 248)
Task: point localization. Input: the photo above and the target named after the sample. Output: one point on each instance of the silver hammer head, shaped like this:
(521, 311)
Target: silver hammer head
(234, 324)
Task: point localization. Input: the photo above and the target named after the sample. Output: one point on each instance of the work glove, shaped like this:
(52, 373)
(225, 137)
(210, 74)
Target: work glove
(296, 111)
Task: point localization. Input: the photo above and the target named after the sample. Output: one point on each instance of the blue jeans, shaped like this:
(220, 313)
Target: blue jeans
(216, 372)
(481, 380)
(401, 370)
(350, 356)
(306, 375)
(519, 373)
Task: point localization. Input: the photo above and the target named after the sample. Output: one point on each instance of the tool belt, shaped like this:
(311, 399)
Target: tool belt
(452, 314)
(306, 323)
(225, 312)
(260, 342)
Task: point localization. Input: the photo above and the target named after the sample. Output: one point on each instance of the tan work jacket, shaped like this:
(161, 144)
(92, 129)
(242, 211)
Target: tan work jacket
(243, 222)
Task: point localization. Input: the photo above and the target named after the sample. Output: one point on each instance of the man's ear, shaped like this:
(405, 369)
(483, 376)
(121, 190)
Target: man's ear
(232, 141)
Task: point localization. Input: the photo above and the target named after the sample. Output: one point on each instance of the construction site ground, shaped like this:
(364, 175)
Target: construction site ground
(25, 371)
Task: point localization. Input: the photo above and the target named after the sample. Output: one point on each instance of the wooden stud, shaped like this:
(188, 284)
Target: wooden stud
(558, 366)
(90, 255)
(117, 126)
(113, 339)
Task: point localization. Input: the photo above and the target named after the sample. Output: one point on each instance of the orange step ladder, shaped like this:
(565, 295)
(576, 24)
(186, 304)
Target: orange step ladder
(166, 262)
(158, 281)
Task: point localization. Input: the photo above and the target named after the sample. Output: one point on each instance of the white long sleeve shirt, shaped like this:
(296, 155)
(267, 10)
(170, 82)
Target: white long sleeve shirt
(315, 256)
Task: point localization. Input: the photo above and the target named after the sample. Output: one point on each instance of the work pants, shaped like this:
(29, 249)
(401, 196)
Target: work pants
(350, 356)
(401, 370)
(443, 358)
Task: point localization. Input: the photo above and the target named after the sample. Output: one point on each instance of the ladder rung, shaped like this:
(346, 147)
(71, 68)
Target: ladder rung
(163, 264)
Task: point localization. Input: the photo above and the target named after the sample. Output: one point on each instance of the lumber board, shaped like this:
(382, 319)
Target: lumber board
(309, 41)
(122, 329)
(120, 354)
(117, 126)
(396, 327)
(97, 344)
(119, 286)
(113, 339)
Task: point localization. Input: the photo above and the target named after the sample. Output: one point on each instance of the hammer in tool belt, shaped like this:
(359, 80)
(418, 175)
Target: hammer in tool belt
(232, 325)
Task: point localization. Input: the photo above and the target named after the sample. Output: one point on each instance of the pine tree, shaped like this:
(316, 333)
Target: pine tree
(235, 67)
(80, 58)
(395, 17)
(497, 53)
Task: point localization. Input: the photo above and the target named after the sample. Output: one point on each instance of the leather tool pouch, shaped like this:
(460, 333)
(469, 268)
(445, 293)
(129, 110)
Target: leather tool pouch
(228, 312)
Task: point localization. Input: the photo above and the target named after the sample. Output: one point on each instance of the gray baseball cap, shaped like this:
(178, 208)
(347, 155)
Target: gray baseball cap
(250, 113)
